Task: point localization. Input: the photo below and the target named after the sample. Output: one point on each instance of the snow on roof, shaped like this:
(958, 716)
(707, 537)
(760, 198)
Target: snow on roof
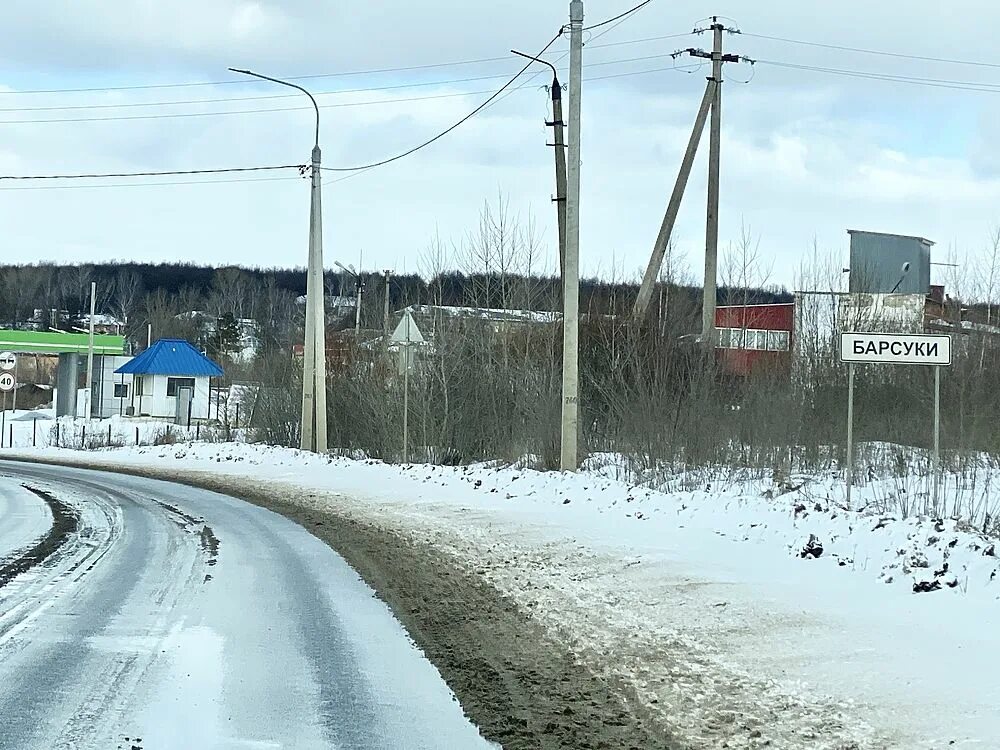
(101, 319)
(497, 315)
(171, 357)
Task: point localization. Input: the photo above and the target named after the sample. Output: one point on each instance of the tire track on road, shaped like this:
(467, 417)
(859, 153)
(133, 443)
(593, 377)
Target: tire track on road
(65, 522)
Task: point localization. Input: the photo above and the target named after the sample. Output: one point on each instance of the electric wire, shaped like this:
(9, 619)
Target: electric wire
(884, 53)
(339, 74)
(456, 125)
(164, 173)
(615, 23)
(149, 184)
(619, 16)
(891, 77)
(422, 84)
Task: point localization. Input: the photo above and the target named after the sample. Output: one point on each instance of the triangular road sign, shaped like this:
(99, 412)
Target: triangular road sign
(407, 332)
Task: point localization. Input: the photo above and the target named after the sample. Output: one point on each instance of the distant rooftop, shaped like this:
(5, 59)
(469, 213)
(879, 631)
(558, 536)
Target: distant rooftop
(496, 315)
(890, 234)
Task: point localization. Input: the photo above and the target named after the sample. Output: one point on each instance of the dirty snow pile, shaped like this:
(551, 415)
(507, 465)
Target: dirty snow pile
(740, 611)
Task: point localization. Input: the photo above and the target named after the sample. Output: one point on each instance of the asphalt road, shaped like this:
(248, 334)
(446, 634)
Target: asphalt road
(175, 617)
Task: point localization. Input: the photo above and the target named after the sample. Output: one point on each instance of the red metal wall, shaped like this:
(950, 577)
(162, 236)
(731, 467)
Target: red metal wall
(743, 362)
(766, 317)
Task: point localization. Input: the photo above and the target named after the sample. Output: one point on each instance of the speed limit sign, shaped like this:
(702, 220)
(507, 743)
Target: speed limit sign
(8, 360)
(6, 381)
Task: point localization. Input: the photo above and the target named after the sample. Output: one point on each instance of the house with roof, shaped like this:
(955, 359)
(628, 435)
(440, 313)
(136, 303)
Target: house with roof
(170, 380)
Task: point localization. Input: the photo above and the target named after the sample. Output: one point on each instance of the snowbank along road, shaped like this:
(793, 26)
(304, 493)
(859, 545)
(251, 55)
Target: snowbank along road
(141, 615)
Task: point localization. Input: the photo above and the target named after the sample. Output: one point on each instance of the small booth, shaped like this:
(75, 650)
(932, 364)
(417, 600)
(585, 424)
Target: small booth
(170, 380)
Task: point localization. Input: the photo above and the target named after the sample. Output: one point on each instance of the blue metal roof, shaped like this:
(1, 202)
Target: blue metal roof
(171, 357)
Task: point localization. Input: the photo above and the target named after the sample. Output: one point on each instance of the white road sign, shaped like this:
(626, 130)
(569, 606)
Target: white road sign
(6, 381)
(8, 360)
(896, 348)
(407, 332)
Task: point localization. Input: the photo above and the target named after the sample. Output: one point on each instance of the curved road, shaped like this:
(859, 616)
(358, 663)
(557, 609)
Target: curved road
(174, 617)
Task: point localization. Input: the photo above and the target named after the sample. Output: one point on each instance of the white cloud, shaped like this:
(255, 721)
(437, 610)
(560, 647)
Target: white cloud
(805, 155)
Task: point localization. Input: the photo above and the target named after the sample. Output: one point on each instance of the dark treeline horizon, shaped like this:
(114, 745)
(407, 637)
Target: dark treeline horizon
(451, 287)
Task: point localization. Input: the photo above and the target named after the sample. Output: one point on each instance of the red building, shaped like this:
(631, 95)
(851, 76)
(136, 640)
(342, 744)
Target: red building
(754, 338)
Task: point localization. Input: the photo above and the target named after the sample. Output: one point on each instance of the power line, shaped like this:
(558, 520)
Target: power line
(445, 132)
(149, 184)
(353, 170)
(269, 179)
(339, 74)
(619, 16)
(102, 175)
(615, 24)
(883, 53)
(618, 21)
(941, 83)
(394, 87)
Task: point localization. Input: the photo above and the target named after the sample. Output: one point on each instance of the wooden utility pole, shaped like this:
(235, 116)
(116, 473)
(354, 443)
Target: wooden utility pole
(559, 146)
(385, 312)
(711, 104)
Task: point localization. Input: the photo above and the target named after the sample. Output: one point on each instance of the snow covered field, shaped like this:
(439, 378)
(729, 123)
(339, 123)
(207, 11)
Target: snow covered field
(38, 428)
(740, 614)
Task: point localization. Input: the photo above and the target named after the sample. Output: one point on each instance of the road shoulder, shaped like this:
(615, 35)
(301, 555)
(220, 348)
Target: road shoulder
(524, 688)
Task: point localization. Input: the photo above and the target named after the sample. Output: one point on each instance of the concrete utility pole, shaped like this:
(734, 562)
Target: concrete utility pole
(313, 427)
(571, 267)
(90, 351)
(712, 220)
(670, 217)
(559, 146)
(713, 100)
(385, 312)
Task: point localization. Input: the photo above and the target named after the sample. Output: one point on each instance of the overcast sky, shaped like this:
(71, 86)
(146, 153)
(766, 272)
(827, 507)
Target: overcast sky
(806, 154)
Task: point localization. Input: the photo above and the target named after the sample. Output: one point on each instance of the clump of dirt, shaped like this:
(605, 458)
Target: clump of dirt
(64, 523)
(209, 544)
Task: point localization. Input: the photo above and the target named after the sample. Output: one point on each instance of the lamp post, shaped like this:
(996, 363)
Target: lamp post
(359, 286)
(313, 430)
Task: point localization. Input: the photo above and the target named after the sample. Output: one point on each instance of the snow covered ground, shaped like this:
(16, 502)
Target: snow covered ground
(39, 428)
(741, 614)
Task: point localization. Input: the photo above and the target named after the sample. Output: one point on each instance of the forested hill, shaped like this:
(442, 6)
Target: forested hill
(142, 292)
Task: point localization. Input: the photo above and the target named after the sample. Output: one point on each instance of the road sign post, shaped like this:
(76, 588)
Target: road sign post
(929, 350)
(850, 431)
(406, 336)
(8, 365)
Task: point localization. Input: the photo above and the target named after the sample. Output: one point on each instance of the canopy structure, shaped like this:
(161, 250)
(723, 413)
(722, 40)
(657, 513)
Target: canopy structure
(59, 342)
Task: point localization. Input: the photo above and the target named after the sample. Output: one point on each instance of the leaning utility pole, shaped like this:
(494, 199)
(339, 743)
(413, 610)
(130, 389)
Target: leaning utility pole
(711, 103)
(667, 227)
(571, 267)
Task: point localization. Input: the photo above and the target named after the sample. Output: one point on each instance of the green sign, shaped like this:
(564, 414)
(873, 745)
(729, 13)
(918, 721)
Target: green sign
(57, 342)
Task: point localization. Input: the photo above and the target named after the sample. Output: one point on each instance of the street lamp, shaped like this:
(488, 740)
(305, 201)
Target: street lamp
(313, 432)
(349, 269)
